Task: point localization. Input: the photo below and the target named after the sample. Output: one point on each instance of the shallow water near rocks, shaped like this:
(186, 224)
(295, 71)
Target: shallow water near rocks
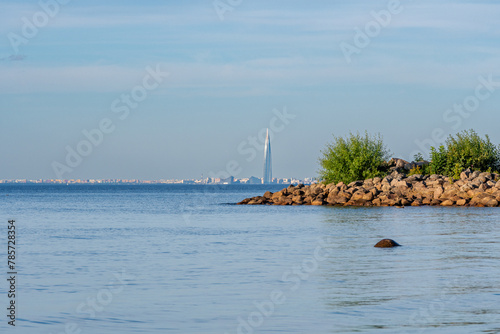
(183, 259)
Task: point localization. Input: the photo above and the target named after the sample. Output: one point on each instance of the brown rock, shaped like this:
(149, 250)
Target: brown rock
(426, 201)
(368, 184)
(419, 185)
(491, 202)
(466, 187)
(463, 195)
(355, 184)
(285, 201)
(358, 202)
(405, 202)
(337, 201)
(461, 202)
(447, 203)
(367, 197)
(400, 183)
(397, 163)
(387, 243)
(438, 192)
(277, 194)
(402, 191)
(450, 193)
(481, 199)
(486, 175)
(474, 175)
(416, 202)
(268, 195)
(357, 195)
(308, 199)
(245, 201)
(385, 187)
(435, 202)
(465, 175)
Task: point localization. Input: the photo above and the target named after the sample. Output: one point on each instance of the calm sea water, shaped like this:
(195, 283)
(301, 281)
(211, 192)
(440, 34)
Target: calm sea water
(184, 259)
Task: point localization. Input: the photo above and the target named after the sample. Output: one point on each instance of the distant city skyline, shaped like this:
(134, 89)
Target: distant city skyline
(165, 89)
(208, 181)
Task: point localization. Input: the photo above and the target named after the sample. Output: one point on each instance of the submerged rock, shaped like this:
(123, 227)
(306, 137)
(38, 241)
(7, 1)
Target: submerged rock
(386, 243)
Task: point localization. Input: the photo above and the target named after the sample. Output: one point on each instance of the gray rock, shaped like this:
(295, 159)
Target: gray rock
(397, 163)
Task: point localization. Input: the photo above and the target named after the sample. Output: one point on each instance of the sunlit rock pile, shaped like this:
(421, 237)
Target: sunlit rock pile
(397, 189)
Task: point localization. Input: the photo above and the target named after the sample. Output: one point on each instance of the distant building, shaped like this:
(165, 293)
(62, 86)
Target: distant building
(229, 180)
(268, 167)
(254, 180)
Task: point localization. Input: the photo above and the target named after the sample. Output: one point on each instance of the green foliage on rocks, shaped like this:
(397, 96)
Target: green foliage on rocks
(465, 150)
(353, 158)
(357, 157)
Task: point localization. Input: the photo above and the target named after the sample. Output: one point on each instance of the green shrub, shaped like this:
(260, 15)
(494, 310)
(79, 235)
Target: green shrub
(419, 170)
(416, 171)
(466, 150)
(353, 158)
(438, 160)
(418, 157)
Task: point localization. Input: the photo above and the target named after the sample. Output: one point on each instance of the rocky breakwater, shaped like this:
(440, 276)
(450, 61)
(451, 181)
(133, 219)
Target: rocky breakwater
(396, 189)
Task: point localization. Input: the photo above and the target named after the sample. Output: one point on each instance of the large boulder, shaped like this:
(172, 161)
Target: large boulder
(387, 243)
(397, 163)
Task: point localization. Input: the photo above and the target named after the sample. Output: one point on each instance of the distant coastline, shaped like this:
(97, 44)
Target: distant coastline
(247, 181)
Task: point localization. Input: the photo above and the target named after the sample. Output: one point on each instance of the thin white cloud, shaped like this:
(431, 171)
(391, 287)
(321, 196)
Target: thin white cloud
(85, 79)
(299, 47)
(259, 76)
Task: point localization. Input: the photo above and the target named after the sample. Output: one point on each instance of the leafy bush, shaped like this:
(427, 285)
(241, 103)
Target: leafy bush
(418, 157)
(354, 158)
(416, 171)
(424, 169)
(438, 160)
(466, 150)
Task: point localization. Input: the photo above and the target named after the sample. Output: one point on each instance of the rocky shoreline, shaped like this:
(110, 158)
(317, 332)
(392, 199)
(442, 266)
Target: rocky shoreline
(397, 189)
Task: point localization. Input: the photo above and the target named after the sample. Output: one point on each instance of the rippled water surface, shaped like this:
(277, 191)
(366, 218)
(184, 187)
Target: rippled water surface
(183, 259)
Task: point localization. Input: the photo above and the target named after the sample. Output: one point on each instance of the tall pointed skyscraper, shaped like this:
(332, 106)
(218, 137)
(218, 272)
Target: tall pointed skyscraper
(268, 166)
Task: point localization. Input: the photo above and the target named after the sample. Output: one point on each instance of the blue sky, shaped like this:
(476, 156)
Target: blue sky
(228, 77)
